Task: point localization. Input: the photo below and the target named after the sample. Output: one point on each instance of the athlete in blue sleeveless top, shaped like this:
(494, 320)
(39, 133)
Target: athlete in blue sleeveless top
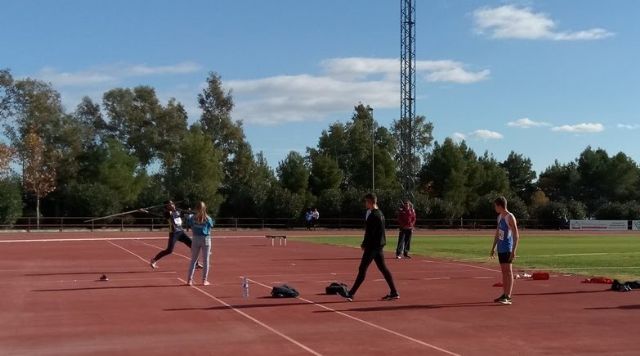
(506, 240)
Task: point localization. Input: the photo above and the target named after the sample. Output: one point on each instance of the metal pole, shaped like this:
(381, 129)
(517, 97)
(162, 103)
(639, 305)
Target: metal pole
(373, 151)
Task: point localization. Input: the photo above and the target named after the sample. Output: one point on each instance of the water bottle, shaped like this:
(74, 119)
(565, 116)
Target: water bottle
(245, 287)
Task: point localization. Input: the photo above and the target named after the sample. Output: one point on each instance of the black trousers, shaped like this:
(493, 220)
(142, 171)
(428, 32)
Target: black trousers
(368, 256)
(404, 242)
(173, 238)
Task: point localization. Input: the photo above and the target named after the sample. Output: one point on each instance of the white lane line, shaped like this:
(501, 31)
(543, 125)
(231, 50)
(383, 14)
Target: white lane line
(160, 248)
(297, 343)
(108, 239)
(284, 336)
(375, 326)
(130, 252)
(337, 312)
(465, 265)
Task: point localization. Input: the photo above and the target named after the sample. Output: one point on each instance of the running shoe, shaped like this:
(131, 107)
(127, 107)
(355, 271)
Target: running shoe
(497, 300)
(391, 296)
(153, 264)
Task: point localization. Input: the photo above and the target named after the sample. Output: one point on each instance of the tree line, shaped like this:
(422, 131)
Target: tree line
(132, 150)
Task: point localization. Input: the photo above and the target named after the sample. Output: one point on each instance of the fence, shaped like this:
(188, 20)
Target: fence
(153, 224)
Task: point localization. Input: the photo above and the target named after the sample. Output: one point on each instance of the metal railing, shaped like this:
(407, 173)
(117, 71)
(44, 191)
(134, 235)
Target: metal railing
(155, 224)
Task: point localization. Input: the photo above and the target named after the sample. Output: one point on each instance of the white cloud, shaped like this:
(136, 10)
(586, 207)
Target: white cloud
(458, 137)
(481, 134)
(515, 22)
(111, 74)
(486, 135)
(629, 127)
(526, 123)
(433, 71)
(344, 83)
(580, 128)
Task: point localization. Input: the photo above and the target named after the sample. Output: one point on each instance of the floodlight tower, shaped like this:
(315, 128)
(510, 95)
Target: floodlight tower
(408, 165)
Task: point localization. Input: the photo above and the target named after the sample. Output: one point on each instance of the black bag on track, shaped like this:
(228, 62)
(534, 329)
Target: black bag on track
(336, 288)
(284, 291)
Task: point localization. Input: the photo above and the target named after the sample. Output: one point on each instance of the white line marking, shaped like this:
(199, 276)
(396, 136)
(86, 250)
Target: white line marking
(108, 239)
(160, 248)
(130, 252)
(297, 343)
(304, 347)
(375, 326)
(466, 265)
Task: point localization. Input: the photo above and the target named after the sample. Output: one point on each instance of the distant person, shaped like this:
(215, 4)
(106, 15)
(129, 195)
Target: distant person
(308, 218)
(315, 216)
(372, 246)
(506, 240)
(406, 222)
(201, 225)
(176, 233)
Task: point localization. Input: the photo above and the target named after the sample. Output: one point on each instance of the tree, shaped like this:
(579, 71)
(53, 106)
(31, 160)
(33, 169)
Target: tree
(520, 172)
(10, 200)
(284, 204)
(121, 173)
(330, 203)
(228, 137)
(415, 151)
(197, 174)
(445, 175)
(325, 173)
(39, 174)
(7, 154)
(133, 117)
(293, 173)
(560, 181)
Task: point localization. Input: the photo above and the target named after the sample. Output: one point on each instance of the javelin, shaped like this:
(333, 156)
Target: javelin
(125, 213)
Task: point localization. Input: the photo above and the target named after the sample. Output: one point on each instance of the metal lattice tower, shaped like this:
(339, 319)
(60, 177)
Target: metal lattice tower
(408, 166)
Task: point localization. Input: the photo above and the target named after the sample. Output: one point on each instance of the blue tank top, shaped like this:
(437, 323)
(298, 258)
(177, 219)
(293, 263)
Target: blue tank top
(505, 238)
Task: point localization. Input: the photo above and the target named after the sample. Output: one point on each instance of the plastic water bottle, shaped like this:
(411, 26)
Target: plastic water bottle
(245, 287)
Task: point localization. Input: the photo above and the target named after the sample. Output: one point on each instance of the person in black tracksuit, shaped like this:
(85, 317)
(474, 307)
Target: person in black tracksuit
(372, 245)
(176, 233)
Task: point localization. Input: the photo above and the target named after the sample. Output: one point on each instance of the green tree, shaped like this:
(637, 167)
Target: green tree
(197, 174)
(293, 173)
(330, 203)
(325, 174)
(133, 117)
(121, 173)
(521, 174)
(445, 175)
(10, 200)
(416, 148)
(283, 203)
(560, 181)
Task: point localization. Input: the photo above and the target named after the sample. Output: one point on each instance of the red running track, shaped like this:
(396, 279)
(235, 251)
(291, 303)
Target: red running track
(52, 304)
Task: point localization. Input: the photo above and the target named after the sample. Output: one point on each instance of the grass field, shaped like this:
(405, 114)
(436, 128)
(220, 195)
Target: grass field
(609, 256)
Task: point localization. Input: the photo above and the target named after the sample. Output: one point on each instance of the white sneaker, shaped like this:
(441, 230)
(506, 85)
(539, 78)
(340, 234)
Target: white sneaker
(153, 264)
(190, 283)
(206, 283)
(398, 257)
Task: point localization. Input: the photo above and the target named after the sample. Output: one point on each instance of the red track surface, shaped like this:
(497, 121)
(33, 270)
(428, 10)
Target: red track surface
(51, 303)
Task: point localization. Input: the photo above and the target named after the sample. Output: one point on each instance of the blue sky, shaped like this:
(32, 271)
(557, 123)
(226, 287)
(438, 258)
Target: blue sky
(543, 78)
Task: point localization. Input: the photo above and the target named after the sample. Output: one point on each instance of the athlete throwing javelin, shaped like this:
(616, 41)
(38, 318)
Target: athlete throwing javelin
(176, 233)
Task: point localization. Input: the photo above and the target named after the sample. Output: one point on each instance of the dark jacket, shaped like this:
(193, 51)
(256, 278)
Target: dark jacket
(374, 233)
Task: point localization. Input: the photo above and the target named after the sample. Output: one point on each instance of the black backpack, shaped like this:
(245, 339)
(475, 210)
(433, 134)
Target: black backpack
(336, 288)
(284, 291)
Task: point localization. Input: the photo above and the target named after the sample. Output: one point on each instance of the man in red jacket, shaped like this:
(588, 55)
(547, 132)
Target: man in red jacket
(406, 221)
